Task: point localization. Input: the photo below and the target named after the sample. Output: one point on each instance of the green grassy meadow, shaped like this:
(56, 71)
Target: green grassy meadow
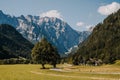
(65, 72)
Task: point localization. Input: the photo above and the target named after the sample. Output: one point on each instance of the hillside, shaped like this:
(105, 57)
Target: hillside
(12, 44)
(103, 45)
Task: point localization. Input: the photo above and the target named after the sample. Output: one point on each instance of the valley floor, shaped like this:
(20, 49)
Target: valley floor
(63, 72)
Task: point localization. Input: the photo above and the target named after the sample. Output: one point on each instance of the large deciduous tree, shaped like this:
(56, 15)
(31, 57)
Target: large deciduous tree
(43, 53)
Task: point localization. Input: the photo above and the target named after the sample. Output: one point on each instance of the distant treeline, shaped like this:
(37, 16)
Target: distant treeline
(15, 61)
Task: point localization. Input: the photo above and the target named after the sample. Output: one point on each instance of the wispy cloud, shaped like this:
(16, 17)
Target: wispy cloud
(84, 27)
(52, 13)
(109, 8)
(80, 24)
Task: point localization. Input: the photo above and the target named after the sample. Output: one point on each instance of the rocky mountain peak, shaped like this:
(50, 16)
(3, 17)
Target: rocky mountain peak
(55, 30)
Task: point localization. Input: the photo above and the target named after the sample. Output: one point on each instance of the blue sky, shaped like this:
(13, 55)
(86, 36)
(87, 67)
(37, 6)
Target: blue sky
(83, 12)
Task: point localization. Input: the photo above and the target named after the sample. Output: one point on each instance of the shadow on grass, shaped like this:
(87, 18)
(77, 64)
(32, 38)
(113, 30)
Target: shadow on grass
(45, 68)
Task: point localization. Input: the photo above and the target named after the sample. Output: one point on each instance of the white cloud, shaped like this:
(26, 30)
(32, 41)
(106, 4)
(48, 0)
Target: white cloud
(109, 9)
(52, 13)
(80, 24)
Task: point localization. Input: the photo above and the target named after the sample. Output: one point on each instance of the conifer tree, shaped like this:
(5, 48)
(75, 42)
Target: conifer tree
(43, 53)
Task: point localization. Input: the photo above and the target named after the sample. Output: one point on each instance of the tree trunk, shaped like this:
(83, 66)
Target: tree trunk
(43, 66)
(54, 65)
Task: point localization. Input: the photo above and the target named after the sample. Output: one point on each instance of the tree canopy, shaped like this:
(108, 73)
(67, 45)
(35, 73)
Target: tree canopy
(44, 53)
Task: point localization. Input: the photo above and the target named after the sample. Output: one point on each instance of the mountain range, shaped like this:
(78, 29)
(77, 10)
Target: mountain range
(55, 30)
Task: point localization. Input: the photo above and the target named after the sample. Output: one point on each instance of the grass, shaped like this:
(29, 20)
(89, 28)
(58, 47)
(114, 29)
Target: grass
(33, 72)
(117, 62)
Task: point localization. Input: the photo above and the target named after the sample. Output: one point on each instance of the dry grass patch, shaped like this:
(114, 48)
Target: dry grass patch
(33, 72)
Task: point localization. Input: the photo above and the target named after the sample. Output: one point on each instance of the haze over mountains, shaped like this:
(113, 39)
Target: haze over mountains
(57, 31)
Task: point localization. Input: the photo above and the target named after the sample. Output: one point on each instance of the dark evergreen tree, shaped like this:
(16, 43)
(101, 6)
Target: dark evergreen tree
(43, 53)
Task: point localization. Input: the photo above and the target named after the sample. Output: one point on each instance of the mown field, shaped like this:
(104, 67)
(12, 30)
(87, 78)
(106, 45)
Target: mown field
(65, 72)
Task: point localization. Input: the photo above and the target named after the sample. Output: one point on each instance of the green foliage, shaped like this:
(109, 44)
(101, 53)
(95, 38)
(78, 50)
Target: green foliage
(15, 61)
(103, 45)
(43, 53)
(12, 44)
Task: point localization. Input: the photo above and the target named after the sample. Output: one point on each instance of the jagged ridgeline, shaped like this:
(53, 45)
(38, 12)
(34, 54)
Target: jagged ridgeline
(12, 44)
(58, 32)
(103, 44)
